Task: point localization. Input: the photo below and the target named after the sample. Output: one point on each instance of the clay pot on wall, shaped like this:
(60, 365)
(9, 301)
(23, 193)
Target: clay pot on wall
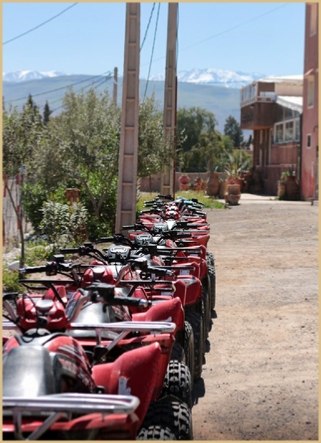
(213, 184)
(184, 182)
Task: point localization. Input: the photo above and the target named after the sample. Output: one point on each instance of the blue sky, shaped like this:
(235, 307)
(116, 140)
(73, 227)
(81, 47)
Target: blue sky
(88, 38)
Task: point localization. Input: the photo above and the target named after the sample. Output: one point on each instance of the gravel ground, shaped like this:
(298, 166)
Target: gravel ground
(260, 379)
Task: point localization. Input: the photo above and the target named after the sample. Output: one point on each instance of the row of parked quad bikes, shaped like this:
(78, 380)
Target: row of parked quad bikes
(110, 341)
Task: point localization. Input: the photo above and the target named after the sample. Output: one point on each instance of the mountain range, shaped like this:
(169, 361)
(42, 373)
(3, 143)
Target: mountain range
(209, 76)
(215, 90)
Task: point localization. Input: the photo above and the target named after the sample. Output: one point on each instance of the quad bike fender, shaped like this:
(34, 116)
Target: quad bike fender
(202, 240)
(193, 288)
(169, 310)
(133, 373)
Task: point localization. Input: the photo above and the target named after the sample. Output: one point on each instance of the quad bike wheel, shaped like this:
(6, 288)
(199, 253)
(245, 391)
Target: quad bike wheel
(173, 415)
(207, 312)
(196, 321)
(177, 382)
(155, 432)
(212, 277)
(178, 353)
(189, 348)
(210, 258)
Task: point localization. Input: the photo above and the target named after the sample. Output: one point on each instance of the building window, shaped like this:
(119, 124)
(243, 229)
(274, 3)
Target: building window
(261, 137)
(279, 133)
(289, 131)
(310, 92)
(297, 129)
(308, 140)
(313, 18)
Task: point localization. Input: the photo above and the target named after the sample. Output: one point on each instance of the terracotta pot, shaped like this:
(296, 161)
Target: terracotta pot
(223, 189)
(233, 193)
(292, 188)
(184, 182)
(213, 184)
(198, 184)
(281, 189)
(237, 181)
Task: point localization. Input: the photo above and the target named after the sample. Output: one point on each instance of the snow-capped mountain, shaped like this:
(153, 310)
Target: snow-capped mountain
(215, 77)
(22, 76)
(209, 76)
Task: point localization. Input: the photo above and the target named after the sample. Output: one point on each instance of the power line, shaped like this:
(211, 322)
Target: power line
(229, 29)
(94, 87)
(59, 89)
(41, 24)
(151, 57)
(150, 18)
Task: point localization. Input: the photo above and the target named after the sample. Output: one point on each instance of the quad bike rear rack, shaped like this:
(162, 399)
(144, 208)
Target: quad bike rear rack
(56, 406)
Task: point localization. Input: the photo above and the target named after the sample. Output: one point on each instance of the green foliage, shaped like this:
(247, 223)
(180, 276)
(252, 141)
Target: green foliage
(37, 252)
(154, 150)
(63, 223)
(204, 148)
(33, 197)
(232, 129)
(104, 224)
(10, 281)
(237, 162)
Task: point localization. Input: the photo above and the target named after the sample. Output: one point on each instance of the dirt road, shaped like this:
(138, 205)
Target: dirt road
(260, 380)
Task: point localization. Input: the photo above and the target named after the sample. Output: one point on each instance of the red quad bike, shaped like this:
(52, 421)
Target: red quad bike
(193, 258)
(111, 267)
(190, 217)
(58, 393)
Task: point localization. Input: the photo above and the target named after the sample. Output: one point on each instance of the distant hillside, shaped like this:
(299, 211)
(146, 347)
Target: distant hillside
(222, 101)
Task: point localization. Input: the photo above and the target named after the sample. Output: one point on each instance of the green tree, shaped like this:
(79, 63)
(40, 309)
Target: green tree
(87, 134)
(204, 147)
(232, 129)
(154, 150)
(46, 113)
(20, 136)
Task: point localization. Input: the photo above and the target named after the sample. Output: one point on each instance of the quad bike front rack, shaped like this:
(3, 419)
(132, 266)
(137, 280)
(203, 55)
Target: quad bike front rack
(56, 406)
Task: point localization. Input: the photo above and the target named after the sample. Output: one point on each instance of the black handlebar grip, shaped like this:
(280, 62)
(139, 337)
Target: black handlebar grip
(69, 250)
(33, 269)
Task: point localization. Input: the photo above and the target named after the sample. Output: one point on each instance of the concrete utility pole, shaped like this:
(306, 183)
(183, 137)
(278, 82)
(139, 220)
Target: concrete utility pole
(128, 152)
(115, 86)
(170, 96)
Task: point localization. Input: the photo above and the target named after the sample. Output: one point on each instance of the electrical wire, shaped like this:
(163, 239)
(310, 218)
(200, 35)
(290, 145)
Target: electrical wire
(150, 18)
(41, 24)
(58, 89)
(151, 58)
(95, 87)
(229, 29)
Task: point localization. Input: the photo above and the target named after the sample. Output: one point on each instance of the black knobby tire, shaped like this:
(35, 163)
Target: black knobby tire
(189, 348)
(210, 259)
(212, 277)
(178, 353)
(206, 313)
(174, 415)
(177, 382)
(155, 432)
(196, 321)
